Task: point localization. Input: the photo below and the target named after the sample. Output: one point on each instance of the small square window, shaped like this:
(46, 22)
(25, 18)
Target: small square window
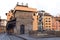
(49, 26)
(46, 21)
(49, 21)
(46, 18)
(49, 18)
(34, 14)
(37, 18)
(46, 26)
(8, 15)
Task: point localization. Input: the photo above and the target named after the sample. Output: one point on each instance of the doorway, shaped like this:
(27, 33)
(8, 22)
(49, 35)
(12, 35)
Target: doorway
(22, 29)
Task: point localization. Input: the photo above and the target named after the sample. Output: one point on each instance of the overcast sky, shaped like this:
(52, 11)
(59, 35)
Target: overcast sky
(51, 6)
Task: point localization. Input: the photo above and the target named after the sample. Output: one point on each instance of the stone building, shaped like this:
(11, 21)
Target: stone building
(26, 19)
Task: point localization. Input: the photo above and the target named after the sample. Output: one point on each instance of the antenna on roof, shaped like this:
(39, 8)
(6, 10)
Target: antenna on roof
(22, 3)
(27, 4)
(17, 3)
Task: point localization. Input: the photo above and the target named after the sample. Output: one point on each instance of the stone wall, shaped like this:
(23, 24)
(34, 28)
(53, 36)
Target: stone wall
(24, 18)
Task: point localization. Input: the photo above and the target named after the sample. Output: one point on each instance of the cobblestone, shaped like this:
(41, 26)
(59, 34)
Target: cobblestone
(12, 37)
(9, 37)
(32, 38)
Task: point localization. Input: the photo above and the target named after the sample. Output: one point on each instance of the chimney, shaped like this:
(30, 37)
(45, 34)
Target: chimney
(22, 3)
(17, 3)
(27, 4)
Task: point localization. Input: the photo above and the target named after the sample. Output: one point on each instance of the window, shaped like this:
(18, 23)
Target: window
(49, 18)
(49, 26)
(46, 23)
(34, 14)
(9, 15)
(46, 18)
(46, 26)
(40, 20)
(37, 18)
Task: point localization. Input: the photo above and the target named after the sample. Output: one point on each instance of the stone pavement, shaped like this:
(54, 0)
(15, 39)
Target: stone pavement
(26, 36)
(9, 37)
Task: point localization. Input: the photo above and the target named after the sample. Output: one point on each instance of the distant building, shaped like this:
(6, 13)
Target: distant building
(57, 26)
(26, 19)
(3, 25)
(45, 20)
(57, 23)
(3, 22)
(54, 24)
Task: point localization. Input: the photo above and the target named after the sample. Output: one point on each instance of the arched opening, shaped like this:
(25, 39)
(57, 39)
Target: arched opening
(22, 29)
(10, 28)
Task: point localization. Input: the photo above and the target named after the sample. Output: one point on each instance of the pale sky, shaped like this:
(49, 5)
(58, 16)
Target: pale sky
(50, 6)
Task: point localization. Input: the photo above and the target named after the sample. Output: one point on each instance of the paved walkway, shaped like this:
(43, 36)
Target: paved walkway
(4, 36)
(32, 38)
(26, 36)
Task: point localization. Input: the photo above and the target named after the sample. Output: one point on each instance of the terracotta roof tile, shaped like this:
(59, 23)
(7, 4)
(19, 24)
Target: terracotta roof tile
(25, 8)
